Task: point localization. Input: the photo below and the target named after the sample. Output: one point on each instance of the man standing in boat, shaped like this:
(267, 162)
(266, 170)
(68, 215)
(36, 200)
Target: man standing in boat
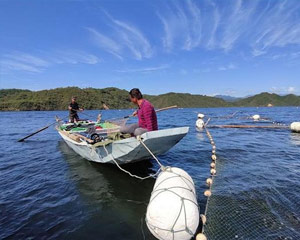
(145, 112)
(73, 108)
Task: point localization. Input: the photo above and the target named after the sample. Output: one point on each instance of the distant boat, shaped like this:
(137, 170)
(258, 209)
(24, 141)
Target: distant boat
(270, 105)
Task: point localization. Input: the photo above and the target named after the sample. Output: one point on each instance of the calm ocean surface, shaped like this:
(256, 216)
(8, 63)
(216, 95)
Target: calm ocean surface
(47, 191)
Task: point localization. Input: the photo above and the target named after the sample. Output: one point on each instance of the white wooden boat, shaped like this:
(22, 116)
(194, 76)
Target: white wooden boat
(124, 150)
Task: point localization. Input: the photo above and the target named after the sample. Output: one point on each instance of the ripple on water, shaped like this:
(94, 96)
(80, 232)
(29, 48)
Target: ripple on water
(49, 192)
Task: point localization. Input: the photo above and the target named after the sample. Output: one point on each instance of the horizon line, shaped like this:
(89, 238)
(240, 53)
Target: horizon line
(208, 95)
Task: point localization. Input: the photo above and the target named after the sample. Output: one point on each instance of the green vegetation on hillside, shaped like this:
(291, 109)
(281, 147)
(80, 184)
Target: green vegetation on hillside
(263, 99)
(114, 98)
(59, 99)
(186, 100)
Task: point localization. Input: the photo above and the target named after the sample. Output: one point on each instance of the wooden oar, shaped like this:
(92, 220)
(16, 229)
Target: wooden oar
(166, 108)
(40, 130)
(158, 110)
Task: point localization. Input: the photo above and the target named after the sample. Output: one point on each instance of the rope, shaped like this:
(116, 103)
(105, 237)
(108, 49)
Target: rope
(141, 141)
(129, 173)
(142, 225)
(86, 115)
(162, 168)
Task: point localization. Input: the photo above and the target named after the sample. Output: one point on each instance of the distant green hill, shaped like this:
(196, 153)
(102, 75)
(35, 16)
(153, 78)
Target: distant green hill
(227, 98)
(59, 99)
(263, 99)
(186, 100)
(114, 98)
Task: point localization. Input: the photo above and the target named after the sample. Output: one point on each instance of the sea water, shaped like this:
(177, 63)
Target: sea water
(47, 191)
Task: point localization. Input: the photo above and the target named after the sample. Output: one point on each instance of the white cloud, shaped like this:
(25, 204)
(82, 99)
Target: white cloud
(74, 57)
(291, 90)
(295, 55)
(134, 40)
(230, 66)
(11, 65)
(145, 70)
(216, 20)
(277, 26)
(106, 43)
(27, 59)
(256, 52)
(168, 39)
(257, 25)
(284, 90)
(122, 37)
(182, 25)
(19, 61)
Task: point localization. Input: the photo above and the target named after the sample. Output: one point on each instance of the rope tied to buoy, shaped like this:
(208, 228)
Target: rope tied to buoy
(173, 209)
(139, 138)
(162, 168)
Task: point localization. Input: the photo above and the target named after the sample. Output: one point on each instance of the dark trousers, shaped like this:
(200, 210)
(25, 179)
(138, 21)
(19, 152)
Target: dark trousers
(73, 117)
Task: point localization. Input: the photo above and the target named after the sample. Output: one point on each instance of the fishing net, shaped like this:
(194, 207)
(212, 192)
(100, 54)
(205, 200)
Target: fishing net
(249, 201)
(118, 121)
(110, 126)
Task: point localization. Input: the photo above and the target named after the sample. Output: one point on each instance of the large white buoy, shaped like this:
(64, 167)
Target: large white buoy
(256, 117)
(200, 123)
(295, 126)
(172, 213)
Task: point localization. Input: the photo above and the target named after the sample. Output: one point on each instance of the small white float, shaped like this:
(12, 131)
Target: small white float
(200, 115)
(256, 117)
(295, 127)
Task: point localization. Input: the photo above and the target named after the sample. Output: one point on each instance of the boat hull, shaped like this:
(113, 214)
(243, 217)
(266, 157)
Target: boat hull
(130, 149)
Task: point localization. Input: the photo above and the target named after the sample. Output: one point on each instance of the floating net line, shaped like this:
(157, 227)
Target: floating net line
(260, 213)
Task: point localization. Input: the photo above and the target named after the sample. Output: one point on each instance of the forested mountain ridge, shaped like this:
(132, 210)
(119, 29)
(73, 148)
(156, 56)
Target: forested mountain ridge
(114, 98)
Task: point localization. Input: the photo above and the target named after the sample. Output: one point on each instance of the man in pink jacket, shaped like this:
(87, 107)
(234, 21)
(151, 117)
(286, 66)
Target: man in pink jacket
(145, 112)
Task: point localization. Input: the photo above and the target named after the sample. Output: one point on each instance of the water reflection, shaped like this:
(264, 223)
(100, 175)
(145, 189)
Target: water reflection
(295, 138)
(114, 200)
(200, 134)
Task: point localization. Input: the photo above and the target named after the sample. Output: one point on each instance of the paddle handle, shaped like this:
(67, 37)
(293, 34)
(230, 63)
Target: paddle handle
(166, 108)
(42, 129)
(158, 110)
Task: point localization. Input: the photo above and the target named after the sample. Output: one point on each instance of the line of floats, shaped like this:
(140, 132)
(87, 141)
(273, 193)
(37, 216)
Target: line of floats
(173, 211)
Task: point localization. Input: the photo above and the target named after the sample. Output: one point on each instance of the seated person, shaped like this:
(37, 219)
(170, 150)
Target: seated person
(147, 120)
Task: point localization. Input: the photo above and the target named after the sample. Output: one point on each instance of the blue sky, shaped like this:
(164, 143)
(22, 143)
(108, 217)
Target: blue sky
(208, 47)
